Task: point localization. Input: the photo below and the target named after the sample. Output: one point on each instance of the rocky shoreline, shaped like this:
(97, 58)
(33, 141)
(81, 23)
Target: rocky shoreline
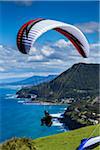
(78, 114)
(81, 114)
(41, 103)
(72, 123)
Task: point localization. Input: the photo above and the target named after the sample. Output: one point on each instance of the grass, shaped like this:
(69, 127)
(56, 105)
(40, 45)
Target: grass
(68, 140)
(18, 144)
(63, 141)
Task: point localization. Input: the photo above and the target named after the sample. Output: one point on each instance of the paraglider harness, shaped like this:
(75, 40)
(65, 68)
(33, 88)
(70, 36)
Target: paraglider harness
(46, 120)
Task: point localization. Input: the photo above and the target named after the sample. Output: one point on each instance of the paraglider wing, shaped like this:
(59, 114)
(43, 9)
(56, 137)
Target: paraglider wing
(32, 30)
(21, 36)
(87, 143)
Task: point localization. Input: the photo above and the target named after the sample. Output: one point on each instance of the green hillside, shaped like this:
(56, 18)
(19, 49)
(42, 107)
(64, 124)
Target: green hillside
(82, 113)
(64, 141)
(81, 80)
(68, 140)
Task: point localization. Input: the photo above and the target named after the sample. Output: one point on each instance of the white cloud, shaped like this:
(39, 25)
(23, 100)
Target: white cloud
(94, 55)
(47, 50)
(35, 58)
(52, 58)
(95, 45)
(2, 69)
(33, 50)
(54, 62)
(89, 27)
(24, 2)
(1, 46)
(62, 43)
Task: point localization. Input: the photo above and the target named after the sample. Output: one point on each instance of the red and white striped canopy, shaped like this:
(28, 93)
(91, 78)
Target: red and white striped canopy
(33, 29)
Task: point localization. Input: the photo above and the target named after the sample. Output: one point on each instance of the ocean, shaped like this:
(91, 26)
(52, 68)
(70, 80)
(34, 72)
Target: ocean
(22, 120)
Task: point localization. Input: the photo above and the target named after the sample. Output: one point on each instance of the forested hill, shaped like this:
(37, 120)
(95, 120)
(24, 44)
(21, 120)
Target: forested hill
(81, 80)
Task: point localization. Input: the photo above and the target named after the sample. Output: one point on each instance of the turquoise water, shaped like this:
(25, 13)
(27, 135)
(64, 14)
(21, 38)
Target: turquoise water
(20, 120)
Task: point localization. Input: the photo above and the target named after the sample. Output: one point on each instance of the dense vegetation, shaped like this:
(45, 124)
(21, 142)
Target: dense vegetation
(78, 82)
(63, 141)
(82, 113)
(18, 144)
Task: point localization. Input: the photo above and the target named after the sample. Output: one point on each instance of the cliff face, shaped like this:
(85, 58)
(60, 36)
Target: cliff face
(82, 113)
(81, 80)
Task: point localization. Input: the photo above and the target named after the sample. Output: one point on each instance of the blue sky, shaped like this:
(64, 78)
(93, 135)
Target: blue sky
(13, 15)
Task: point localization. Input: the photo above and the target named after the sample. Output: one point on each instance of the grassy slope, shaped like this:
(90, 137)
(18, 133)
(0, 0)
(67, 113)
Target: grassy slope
(66, 141)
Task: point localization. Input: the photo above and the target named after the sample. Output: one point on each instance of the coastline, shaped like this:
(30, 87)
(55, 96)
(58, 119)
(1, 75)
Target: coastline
(42, 103)
(25, 116)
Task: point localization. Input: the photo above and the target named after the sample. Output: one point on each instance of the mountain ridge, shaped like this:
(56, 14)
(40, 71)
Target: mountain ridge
(33, 80)
(80, 80)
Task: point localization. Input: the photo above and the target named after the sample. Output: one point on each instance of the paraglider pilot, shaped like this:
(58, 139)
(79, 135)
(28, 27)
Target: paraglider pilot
(47, 119)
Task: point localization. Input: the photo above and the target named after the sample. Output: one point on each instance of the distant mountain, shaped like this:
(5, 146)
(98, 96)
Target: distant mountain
(10, 80)
(34, 80)
(79, 81)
